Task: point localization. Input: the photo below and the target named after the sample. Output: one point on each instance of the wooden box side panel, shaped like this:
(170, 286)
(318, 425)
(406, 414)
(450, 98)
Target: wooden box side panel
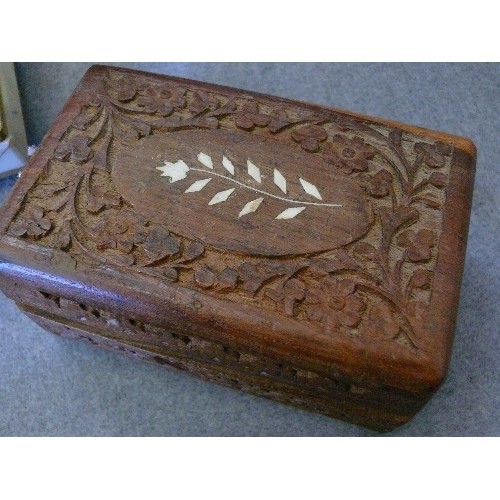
(360, 402)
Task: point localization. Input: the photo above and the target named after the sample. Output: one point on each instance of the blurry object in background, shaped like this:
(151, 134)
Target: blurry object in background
(13, 144)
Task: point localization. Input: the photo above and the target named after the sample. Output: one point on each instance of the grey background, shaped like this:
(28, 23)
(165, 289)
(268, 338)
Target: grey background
(55, 386)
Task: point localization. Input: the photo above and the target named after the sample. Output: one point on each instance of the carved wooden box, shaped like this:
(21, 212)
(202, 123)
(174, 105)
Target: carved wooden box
(304, 254)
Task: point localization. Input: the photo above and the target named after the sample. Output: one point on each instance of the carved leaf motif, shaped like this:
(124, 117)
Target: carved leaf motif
(421, 279)
(279, 120)
(381, 322)
(438, 179)
(203, 101)
(194, 250)
(205, 277)
(366, 251)
(160, 244)
(395, 218)
(63, 238)
(171, 274)
(395, 137)
(227, 279)
(340, 261)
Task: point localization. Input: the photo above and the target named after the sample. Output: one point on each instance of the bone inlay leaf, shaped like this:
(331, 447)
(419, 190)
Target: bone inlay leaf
(179, 170)
(254, 171)
(221, 196)
(197, 186)
(205, 160)
(279, 180)
(290, 213)
(310, 189)
(228, 165)
(251, 207)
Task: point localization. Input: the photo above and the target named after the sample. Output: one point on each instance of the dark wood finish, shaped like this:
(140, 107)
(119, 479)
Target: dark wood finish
(305, 254)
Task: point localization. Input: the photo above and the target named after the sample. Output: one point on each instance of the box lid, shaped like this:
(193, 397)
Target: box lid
(310, 234)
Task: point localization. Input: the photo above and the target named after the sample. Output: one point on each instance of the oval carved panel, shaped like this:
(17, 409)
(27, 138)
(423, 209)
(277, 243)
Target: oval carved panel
(241, 193)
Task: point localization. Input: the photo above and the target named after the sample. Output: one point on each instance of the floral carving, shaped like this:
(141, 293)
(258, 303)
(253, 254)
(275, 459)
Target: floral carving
(418, 244)
(379, 184)
(154, 100)
(336, 302)
(160, 244)
(34, 224)
(203, 101)
(351, 155)
(288, 296)
(310, 137)
(249, 117)
(125, 89)
(434, 155)
(76, 149)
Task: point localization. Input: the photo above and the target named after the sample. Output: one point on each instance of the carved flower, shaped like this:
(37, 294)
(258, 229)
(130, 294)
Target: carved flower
(434, 155)
(125, 89)
(378, 185)
(34, 223)
(309, 137)
(286, 298)
(335, 302)
(176, 95)
(203, 101)
(155, 100)
(119, 230)
(350, 154)
(249, 117)
(418, 245)
(160, 244)
(76, 149)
